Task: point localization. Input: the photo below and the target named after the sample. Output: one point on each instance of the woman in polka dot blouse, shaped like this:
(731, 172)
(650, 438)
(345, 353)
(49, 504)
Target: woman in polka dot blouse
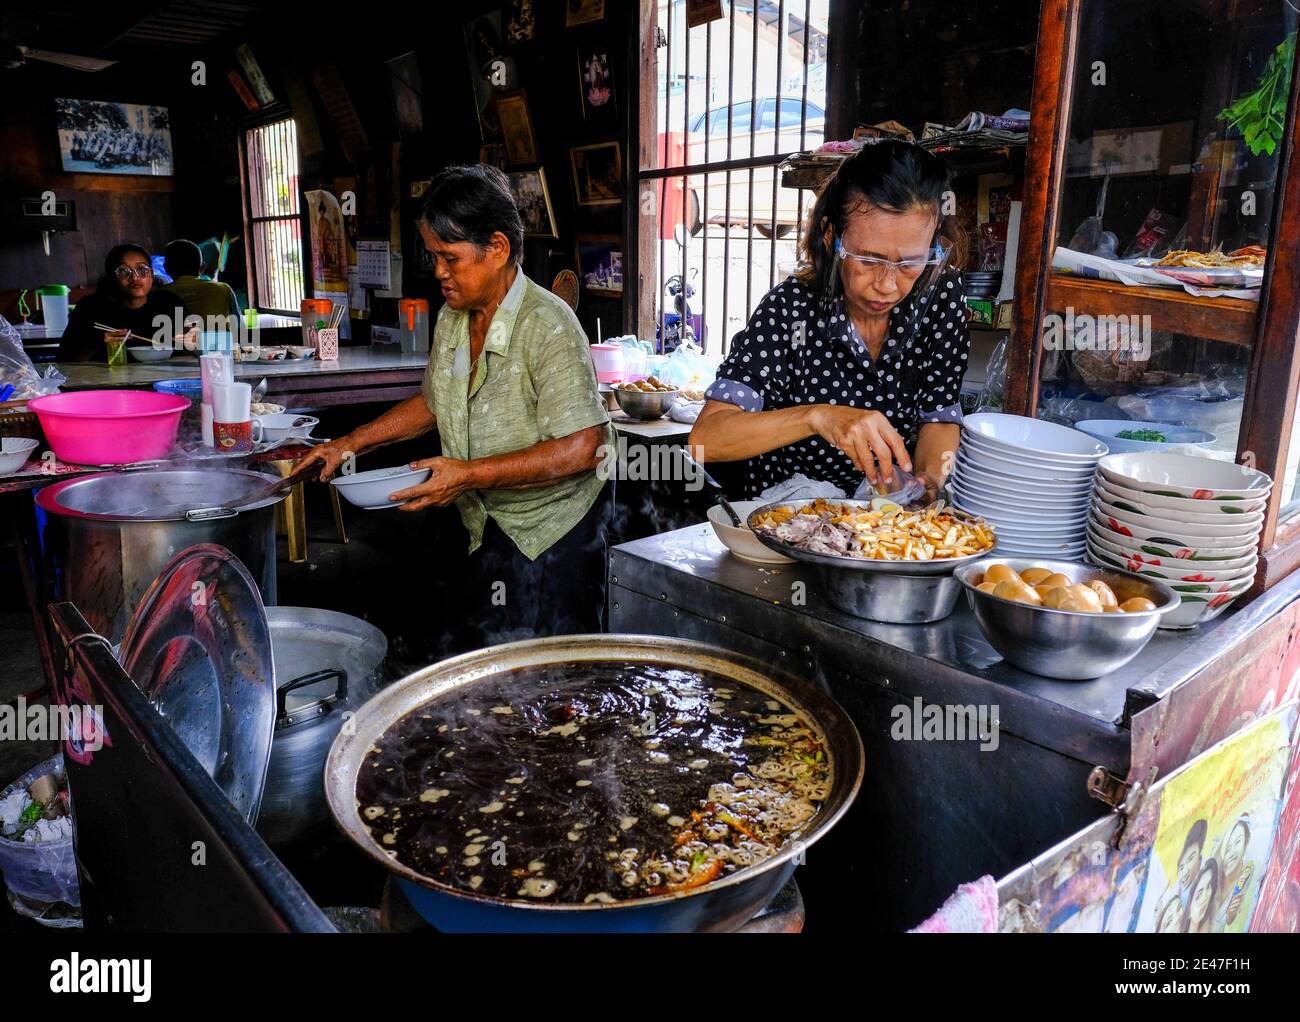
(858, 358)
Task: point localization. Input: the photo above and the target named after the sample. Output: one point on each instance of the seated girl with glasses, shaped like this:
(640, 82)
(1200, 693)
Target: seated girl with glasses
(125, 301)
(854, 364)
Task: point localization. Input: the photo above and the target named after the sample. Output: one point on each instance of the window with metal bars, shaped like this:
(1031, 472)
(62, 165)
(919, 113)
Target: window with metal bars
(274, 218)
(733, 98)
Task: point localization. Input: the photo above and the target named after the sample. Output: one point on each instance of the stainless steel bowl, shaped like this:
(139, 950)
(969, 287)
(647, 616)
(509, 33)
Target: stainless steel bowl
(862, 564)
(1066, 644)
(890, 598)
(642, 404)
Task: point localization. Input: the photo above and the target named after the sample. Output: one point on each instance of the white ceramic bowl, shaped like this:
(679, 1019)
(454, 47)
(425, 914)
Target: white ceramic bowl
(1028, 528)
(1240, 526)
(977, 445)
(1062, 552)
(1206, 589)
(979, 448)
(14, 452)
(1124, 547)
(370, 490)
(978, 481)
(1023, 471)
(1155, 542)
(1176, 577)
(741, 541)
(1180, 505)
(148, 353)
(1108, 498)
(1183, 475)
(1019, 432)
(280, 427)
(1105, 430)
(1197, 610)
(1029, 501)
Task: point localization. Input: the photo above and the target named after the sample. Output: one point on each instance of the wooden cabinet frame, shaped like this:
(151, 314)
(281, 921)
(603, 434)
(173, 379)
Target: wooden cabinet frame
(1272, 330)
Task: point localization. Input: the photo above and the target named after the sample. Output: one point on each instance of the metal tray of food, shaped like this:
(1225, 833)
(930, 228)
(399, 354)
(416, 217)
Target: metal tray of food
(935, 566)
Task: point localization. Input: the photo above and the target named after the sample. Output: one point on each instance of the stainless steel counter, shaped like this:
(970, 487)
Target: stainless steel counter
(933, 813)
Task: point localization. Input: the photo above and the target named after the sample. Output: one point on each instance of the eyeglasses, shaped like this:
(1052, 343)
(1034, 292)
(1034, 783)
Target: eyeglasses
(906, 268)
(126, 273)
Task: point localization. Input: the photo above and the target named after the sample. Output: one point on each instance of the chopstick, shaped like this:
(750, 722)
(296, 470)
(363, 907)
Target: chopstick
(117, 330)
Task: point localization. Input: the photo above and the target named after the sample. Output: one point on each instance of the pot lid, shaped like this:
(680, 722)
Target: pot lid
(156, 494)
(199, 647)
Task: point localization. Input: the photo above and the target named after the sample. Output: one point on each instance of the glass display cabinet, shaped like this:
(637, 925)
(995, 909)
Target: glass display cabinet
(1157, 278)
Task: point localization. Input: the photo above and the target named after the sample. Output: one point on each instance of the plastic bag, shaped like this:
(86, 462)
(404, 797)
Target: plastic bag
(995, 379)
(17, 368)
(40, 870)
(907, 489)
(688, 368)
(801, 487)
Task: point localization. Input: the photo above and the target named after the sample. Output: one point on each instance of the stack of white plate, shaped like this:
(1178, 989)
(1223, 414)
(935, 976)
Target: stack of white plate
(1193, 522)
(1031, 479)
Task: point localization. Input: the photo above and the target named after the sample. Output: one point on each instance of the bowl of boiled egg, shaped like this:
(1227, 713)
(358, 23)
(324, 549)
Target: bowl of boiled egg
(1062, 619)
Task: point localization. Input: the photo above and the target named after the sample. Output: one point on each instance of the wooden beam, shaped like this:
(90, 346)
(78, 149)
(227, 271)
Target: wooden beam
(1044, 163)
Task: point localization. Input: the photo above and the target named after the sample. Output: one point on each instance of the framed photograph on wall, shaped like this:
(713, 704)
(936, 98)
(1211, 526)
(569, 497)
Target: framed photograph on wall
(580, 12)
(113, 138)
(600, 264)
(517, 128)
(597, 84)
(597, 174)
(493, 154)
(534, 202)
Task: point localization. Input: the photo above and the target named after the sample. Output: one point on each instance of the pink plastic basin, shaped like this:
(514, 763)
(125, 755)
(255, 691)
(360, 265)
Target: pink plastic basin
(110, 427)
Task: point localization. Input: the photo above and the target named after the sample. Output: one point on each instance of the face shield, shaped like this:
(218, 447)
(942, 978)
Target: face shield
(915, 278)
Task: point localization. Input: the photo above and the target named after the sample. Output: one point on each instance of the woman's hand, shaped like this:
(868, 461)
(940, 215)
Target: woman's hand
(865, 436)
(331, 456)
(451, 477)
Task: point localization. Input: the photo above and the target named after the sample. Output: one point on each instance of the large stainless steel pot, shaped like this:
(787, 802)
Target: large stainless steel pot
(326, 665)
(111, 539)
(722, 905)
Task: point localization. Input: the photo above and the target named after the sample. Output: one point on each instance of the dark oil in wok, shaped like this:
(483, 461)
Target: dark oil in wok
(585, 782)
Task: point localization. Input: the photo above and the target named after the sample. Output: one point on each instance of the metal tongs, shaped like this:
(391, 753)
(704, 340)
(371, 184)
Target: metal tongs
(303, 473)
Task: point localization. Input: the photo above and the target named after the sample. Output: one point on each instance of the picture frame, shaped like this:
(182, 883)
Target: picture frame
(98, 137)
(534, 202)
(597, 174)
(522, 25)
(596, 84)
(600, 264)
(493, 155)
(583, 12)
(516, 128)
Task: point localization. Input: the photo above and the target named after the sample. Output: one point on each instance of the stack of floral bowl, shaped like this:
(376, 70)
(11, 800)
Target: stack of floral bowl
(1031, 479)
(1193, 522)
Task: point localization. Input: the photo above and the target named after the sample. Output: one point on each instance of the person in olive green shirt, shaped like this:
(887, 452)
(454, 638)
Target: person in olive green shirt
(201, 297)
(511, 389)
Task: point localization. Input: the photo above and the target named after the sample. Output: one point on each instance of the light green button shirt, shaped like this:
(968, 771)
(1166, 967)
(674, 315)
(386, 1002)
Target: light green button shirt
(535, 381)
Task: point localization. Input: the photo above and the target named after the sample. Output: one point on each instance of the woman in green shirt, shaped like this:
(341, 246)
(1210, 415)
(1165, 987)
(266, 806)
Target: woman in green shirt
(511, 389)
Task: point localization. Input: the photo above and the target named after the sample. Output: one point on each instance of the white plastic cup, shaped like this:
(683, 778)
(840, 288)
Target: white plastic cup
(232, 402)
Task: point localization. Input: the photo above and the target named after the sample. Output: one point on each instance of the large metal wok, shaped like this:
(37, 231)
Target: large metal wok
(722, 905)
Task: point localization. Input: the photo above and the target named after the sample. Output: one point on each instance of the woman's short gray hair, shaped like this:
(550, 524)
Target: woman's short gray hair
(471, 203)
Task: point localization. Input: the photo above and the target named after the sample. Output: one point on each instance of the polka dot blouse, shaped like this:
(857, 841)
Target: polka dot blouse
(797, 351)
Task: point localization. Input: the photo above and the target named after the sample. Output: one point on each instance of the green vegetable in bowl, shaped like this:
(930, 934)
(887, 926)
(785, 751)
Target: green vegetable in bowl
(1150, 436)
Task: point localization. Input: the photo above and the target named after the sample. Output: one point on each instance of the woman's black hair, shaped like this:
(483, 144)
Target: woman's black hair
(107, 284)
(1212, 867)
(471, 204)
(1196, 835)
(891, 175)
